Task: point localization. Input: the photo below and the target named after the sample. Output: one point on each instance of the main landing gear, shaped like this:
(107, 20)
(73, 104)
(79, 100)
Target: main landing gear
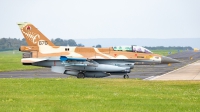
(81, 75)
(126, 76)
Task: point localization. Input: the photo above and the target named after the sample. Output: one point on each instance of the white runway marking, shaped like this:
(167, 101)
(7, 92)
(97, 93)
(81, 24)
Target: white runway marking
(149, 78)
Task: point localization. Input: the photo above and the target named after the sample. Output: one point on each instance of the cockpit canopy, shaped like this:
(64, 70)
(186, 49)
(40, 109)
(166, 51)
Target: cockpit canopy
(132, 48)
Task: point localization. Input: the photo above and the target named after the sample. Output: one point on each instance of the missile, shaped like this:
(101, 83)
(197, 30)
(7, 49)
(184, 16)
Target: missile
(64, 58)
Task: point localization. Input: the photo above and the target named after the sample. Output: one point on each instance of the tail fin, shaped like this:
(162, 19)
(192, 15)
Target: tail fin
(33, 36)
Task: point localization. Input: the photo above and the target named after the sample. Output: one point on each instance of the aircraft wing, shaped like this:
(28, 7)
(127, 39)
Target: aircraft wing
(63, 59)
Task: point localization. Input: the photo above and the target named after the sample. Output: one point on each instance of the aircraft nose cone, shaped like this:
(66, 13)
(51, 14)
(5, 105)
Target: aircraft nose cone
(165, 60)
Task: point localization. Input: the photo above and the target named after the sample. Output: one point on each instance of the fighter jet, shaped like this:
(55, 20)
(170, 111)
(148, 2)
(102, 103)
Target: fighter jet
(83, 61)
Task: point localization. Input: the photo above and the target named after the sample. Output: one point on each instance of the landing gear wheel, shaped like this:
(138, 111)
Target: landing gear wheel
(126, 76)
(81, 75)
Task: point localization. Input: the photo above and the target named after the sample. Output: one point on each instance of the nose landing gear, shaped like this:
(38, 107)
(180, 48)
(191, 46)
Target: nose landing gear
(126, 76)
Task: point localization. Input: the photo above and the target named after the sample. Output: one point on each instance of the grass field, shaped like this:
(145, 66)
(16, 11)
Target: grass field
(165, 52)
(10, 61)
(104, 95)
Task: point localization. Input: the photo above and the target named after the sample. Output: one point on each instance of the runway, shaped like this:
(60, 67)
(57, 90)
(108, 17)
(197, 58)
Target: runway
(145, 72)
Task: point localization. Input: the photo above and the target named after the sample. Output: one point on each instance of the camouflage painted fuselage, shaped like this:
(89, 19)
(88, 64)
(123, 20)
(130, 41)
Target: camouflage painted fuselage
(81, 61)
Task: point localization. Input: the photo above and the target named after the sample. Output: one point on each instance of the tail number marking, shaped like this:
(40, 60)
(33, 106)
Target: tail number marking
(43, 43)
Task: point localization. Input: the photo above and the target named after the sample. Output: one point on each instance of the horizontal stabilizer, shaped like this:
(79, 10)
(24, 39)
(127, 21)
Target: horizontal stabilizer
(32, 60)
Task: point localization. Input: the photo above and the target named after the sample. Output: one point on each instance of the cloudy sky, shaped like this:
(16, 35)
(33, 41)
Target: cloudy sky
(80, 19)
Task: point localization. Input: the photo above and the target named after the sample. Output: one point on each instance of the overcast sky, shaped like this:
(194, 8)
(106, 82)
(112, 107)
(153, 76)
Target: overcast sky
(103, 18)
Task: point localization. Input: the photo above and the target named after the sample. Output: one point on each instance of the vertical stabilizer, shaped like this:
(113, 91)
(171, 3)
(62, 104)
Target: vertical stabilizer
(33, 36)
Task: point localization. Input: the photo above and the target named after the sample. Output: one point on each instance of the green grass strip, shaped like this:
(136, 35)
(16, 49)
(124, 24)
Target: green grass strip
(98, 95)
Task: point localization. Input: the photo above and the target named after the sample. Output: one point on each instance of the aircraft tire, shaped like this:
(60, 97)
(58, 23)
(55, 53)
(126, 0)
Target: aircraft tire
(81, 75)
(126, 76)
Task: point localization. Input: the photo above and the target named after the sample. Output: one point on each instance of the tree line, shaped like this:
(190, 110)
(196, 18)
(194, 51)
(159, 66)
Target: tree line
(169, 48)
(14, 44)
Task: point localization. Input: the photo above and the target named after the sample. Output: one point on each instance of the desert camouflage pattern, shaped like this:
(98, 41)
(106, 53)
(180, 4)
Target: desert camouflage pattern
(42, 47)
(83, 61)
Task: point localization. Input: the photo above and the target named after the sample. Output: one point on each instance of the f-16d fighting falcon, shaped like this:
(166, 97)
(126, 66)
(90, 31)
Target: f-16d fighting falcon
(83, 61)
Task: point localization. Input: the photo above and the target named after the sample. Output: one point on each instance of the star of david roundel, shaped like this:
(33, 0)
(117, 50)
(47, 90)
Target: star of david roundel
(28, 28)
